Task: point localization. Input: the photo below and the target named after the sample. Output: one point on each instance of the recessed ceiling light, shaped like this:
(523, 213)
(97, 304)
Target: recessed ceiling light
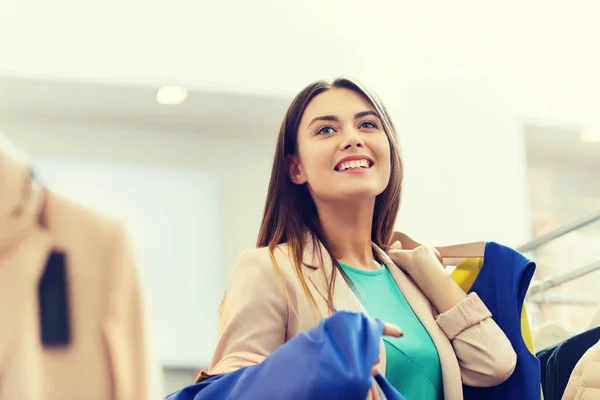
(171, 95)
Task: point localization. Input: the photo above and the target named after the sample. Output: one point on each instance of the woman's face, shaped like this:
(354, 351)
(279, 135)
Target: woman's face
(343, 151)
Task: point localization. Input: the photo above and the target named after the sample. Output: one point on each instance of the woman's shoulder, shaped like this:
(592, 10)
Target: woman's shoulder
(262, 255)
(261, 261)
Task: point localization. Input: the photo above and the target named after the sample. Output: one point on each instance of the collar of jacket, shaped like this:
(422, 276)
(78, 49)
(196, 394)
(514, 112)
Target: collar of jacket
(20, 202)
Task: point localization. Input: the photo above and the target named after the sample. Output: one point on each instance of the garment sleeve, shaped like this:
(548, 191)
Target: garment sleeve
(135, 370)
(253, 314)
(484, 353)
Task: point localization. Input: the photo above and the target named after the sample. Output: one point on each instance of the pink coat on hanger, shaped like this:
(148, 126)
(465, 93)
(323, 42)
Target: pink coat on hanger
(107, 355)
(584, 382)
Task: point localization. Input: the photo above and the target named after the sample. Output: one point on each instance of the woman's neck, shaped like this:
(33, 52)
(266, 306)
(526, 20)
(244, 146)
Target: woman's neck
(347, 228)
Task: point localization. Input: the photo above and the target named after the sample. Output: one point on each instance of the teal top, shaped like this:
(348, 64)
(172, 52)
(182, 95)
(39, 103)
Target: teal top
(412, 361)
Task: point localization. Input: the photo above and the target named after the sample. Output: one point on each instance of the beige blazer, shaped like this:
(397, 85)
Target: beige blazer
(107, 356)
(256, 319)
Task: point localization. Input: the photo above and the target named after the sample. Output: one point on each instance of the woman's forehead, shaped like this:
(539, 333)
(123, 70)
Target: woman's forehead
(338, 102)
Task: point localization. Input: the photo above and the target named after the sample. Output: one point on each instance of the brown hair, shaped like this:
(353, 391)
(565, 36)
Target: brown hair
(290, 212)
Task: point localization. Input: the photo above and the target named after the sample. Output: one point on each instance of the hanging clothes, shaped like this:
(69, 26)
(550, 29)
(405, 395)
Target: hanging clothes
(99, 349)
(501, 280)
(564, 359)
(331, 361)
(544, 356)
(584, 382)
(465, 274)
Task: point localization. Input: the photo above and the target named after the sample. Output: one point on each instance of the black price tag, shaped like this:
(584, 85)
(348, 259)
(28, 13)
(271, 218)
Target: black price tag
(54, 302)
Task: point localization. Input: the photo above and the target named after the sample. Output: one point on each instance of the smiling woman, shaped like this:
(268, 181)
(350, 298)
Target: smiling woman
(331, 206)
(351, 140)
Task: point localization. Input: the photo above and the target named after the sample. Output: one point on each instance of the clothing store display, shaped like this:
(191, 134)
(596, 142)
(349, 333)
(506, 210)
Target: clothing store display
(258, 316)
(584, 382)
(501, 283)
(565, 357)
(71, 318)
(413, 364)
(331, 361)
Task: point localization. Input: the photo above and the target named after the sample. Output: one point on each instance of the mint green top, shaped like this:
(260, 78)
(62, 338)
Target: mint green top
(413, 364)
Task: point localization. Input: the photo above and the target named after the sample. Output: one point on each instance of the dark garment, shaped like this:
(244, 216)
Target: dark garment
(544, 356)
(331, 361)
(551, 376)
(502, 284)
(565, 357)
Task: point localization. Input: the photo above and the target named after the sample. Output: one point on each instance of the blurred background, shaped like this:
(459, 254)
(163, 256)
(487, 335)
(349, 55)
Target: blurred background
(165, 114)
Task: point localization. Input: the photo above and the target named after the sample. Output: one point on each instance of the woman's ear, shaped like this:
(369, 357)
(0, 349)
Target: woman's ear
(294, 171)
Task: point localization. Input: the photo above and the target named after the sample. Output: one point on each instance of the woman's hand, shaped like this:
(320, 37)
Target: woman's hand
(388, 330)
(411, 261)
(424, 264)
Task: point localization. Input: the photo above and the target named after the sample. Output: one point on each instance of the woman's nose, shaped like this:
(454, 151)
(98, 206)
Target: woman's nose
(352, 139)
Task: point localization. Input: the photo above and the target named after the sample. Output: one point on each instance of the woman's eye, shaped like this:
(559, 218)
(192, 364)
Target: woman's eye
(368, 125)
(326, 130)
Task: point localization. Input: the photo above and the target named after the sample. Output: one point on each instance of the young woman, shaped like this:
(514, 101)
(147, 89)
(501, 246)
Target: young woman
(330, 211)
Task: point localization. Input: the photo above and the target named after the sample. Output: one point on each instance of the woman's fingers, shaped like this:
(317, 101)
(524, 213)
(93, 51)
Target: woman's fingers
(397, 245)
(375, 369)
(391, 330)
(388, 330)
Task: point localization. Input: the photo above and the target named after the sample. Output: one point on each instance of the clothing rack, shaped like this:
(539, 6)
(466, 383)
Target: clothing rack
(550, 283)
(560, 298)
(559, 232)
(536, 291)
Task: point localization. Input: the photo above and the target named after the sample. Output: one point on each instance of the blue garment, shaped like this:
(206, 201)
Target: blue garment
(502, 284)
(331, 361)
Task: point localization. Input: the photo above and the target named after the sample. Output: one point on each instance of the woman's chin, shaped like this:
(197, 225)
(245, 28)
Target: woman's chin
(366, 193)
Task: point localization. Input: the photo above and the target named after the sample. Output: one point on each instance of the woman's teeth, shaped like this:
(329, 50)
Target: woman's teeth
(353, 165)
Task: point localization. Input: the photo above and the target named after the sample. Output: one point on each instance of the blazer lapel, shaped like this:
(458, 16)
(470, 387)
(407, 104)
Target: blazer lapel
(423, 310)
(319, 272)
(318, 268)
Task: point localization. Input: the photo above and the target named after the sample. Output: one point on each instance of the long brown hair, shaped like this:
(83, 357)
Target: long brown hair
(290, 212)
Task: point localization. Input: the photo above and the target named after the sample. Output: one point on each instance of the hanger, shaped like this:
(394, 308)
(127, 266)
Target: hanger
(457, 251)
(53, 298)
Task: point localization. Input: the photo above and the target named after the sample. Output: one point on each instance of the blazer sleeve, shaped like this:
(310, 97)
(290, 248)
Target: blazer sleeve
(134, 368)
(484, 353)
(253, 314)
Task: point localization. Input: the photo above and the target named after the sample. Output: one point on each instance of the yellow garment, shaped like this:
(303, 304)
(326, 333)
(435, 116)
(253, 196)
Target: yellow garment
(465, 274)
